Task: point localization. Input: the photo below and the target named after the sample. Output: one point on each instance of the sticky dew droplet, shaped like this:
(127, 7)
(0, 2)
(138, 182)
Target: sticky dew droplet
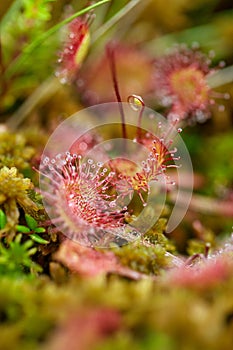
(136, 102)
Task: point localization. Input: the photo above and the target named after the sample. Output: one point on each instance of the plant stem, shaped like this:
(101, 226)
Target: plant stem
(139, 126)
(111, 57)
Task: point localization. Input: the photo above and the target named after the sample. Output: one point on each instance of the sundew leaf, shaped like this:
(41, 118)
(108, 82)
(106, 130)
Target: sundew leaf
(32, 223)
(2, 219)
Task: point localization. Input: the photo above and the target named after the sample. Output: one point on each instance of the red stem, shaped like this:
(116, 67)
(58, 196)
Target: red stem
(111, 57)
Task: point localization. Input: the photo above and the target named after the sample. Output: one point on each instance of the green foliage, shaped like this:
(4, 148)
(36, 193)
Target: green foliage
(38, 239)
(24, 323)
(22, 228)
(25, 32)
(3, 219)
(154, 315)
(150, 341)
(40, 10)
(16, 258)
(24, 24)
(32, 229)
(218, 166)
(30, 21)
(31, 222)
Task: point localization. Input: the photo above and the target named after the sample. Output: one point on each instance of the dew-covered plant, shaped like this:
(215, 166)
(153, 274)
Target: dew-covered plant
(89, 217)
(181, 84)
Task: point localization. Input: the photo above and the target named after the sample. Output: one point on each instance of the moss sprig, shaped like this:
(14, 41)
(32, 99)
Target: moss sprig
(14, 194)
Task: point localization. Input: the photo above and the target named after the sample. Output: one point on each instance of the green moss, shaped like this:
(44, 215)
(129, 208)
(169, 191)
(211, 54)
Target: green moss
(16, 257)
(148, 255)
(149, 341)
(14, 151)
(156, 235)
(148, 259)
(13, 192)
(154, 315)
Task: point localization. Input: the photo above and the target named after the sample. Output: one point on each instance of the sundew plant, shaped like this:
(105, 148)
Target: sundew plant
(116, 176)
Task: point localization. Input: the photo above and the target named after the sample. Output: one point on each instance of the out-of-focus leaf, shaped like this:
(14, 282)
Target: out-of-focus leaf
(32, 223)
(2, 219)
(22, 228)
(38, 239)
